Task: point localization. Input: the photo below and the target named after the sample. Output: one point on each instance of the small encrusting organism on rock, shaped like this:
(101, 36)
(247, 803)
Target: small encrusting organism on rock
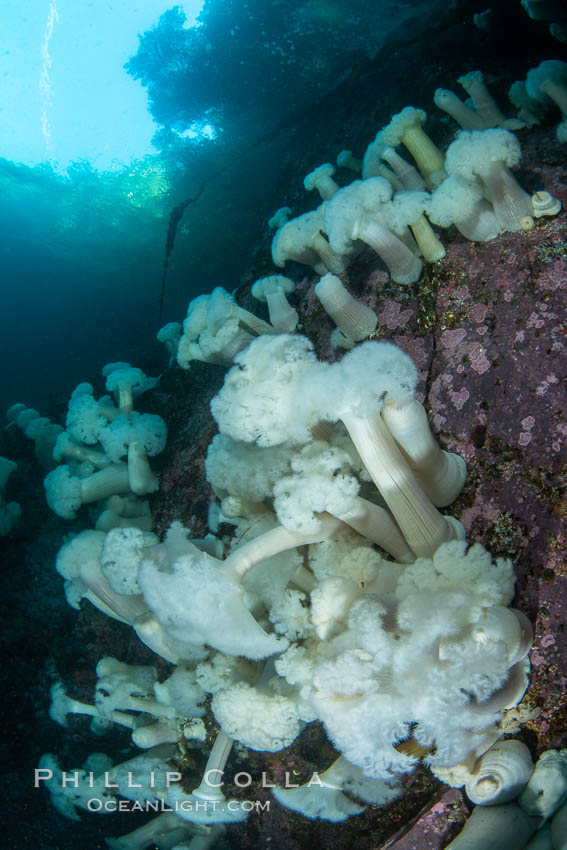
(544, 204)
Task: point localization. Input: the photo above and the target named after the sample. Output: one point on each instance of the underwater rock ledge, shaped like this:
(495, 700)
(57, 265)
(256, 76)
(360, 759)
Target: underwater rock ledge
(486, 328)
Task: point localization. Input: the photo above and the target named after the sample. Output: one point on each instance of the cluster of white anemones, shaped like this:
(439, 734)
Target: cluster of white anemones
(347, 595)
(101, 458)
(390, 211)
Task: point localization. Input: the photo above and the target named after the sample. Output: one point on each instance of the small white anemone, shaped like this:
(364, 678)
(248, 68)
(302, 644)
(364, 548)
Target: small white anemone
(353, 318)
(321, 180)
(273, 290)
(406, 128)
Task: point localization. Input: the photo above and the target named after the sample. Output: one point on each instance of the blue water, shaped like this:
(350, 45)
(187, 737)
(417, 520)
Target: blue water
(81, 260)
